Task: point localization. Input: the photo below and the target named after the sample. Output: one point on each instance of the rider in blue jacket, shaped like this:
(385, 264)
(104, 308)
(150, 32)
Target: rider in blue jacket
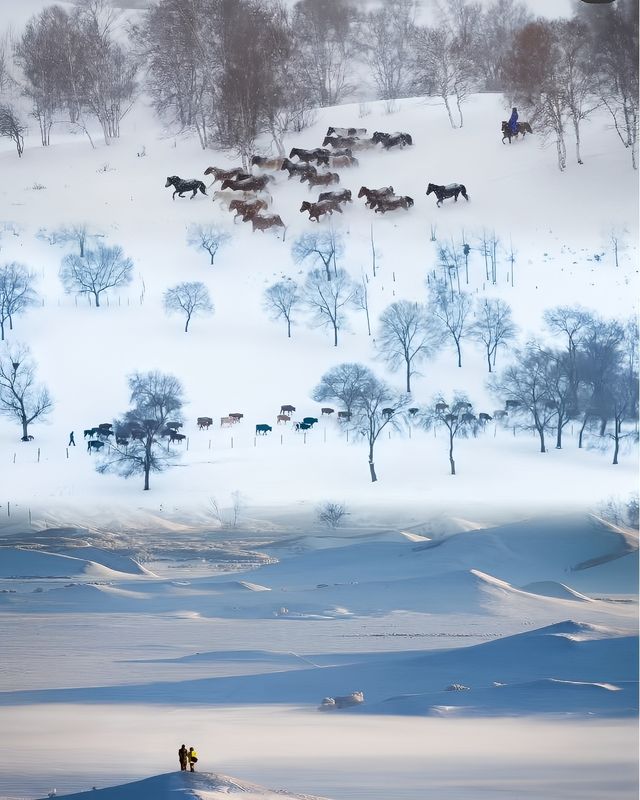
(513, 120)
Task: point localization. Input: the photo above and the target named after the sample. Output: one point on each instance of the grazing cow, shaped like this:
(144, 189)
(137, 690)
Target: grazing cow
(484, 417)
(235, 416)
(262, 222)
(204, 423)
(294, 168)
(255, 183)
(339, 141)
(318, 154)
(236, 173)
(440, 407)
(246, 208)
(302, 426)
(500, 414)
(343, 161)
(467, 417)
(333, 131)
(341, 195)
(512, 404)
(89, 432)
(176, 437)
(267, 163)
(263, 429)
(388, 412)
(122, 441)
(344, 415)
(327, 411)
(310, 421)
(322, 180)
(392, 203)
(373, 195)
(413, 411)
(181, 185)
(226, 422)
(287, 409)
(283, 418)
(94, 444)
(316, 210)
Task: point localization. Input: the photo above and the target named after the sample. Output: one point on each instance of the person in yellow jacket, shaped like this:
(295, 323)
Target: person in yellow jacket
(192, 757)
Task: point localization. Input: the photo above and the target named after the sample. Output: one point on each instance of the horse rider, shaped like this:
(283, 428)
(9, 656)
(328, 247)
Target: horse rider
(513, 120)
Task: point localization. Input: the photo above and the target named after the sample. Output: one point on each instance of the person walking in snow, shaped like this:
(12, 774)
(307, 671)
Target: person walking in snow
(182, 758)
(192, 756)
(72, 440)
(513, 120)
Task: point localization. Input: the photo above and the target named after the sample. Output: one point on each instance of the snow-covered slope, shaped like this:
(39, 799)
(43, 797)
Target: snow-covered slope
(240, 360)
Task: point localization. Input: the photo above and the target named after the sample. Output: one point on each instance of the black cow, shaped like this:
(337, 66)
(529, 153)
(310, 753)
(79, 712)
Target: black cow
(302, 426)
(176, 437)
(94, 444)
(263, 429)
(484, 417)
(311, 421)
(287, 409)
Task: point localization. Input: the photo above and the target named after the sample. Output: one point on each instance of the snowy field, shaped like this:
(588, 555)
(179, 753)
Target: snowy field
(490, 618)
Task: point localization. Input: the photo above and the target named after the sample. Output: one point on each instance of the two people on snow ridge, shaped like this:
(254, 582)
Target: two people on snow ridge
(187, 757)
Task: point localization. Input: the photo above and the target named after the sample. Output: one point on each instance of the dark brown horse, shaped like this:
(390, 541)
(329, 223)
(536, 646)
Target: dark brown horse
(521, 128)
(373, 195)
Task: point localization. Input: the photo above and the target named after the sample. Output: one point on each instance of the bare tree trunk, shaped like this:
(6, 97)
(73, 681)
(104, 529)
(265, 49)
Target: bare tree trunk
(489, 358)
(97, 298)
(561, 151)
(576, 127)
(540, 430)
(457, 341)
(408, 376)
(616, 439)
(335, 335)
(372, 468)
(288, 327)
(448, 107)
(582, 427)
(451, 461)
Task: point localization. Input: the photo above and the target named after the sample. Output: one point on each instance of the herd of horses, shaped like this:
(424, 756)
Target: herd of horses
(246, 194)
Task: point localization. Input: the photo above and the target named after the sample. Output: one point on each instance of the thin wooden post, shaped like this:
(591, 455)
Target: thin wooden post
(38, 455)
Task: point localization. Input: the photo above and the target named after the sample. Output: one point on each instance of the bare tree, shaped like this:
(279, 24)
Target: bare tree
(323, 247)
(21, 398)
(344, 383)
(78, 234)
(331, 513)
(361, 300)
(496, 30)
(559, 389)
(598, 357)
(16, 293)
(282, 299)
(156, 398)
(100, 270)
(375, 406)
(493, 327)
(208, 237)
(614, 52)
(386, 41)
(12, 128)
(456, 416)
(329, 299)
(109, 71)
(190, 299)
(406, 337)
(325, 47)
(524, 384)
(450, 312)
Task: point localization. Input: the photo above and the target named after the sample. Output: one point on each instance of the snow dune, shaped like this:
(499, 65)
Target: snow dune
(23, 563)
(188, 786)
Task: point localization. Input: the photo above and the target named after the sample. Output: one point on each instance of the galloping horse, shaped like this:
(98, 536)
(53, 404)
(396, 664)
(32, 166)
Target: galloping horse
(181, 185)
(450, 190)
(521, 127)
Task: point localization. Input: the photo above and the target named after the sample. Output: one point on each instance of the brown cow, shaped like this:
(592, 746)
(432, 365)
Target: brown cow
(283, 418)
(204, 423)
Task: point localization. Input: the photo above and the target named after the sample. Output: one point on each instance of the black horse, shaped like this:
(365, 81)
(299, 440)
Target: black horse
(181, 185)
(507, 133)
(450, 190)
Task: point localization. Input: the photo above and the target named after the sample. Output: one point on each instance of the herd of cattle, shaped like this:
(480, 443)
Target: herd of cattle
(246, 194)
(126, 433)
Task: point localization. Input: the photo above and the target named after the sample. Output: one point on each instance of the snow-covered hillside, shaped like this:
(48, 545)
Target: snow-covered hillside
(239, 360)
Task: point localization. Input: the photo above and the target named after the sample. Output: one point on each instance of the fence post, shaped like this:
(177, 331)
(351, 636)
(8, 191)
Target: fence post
(232, 442)
(38, 455)
(29, 517)
(280, 438)
(14, 458)
(255, 439)
(67, 452)
(8, 508)
(187, 442)
(209, 444)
